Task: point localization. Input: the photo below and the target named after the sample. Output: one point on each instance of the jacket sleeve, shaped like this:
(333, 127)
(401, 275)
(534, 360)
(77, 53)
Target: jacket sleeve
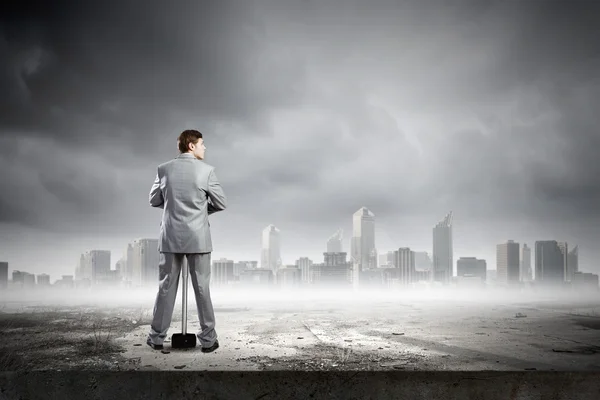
(217, 200)
(156, 197)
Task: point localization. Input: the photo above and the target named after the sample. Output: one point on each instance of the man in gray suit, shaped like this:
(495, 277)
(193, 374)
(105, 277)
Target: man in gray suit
(188, 191)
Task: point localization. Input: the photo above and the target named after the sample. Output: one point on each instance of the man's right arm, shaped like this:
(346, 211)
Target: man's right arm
(217, 200)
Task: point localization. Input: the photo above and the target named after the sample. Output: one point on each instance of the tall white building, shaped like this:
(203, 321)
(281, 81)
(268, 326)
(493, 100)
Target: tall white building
(334, 244)
(525, 268)
(405, 263)
(94, 266)
(222, 272)
(564, 249)
(363, 239)
(143, 259)
(271, 249)
(572, 263)
(304, 264)
(3, 274)
(550, 262)
(127, 272)
(443, 256)
(507, 263)
(121, 267)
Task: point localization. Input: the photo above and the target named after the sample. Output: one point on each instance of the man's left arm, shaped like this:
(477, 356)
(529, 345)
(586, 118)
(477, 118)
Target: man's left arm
(156, 197)
(217, 201)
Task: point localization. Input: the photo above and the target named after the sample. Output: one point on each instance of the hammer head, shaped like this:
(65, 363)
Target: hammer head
(183, 340)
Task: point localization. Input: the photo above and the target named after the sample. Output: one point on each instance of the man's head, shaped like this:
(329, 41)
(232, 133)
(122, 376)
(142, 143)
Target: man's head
(190, 141)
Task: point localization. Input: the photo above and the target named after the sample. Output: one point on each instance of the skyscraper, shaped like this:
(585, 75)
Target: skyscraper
(572, 263)
(121, 267)
(128, 267)
(564, 251)
(526, 272)
(405, 263)
(507, 263)
(3, 274)
(334, 244)
(363, 239)
(271, 249)
(144, 262)
(222, 272)
(304, 264)
(94, 266)
(550, 262)
(443, 257)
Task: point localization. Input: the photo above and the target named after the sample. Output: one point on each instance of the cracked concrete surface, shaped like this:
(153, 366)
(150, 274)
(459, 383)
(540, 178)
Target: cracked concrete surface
(421, 336)
(287, 334)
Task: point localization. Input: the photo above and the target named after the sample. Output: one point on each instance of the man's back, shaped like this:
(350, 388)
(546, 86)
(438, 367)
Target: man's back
(188, 191)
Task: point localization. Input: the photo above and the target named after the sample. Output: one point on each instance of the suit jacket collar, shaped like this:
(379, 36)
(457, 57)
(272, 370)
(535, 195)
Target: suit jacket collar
(186, 155)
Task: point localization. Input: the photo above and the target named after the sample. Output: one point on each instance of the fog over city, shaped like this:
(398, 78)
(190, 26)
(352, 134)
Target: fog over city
(309, 110)
(335, 297)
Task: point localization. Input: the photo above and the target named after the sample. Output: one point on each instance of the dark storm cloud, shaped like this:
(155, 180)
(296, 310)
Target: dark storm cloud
(119, 70)
(109, 79)
(559, 54)
(574, 185)
(529, 145)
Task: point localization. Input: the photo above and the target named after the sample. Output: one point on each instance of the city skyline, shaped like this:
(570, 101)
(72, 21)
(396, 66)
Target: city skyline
(139, 262)
(308, 113)
(289, 259)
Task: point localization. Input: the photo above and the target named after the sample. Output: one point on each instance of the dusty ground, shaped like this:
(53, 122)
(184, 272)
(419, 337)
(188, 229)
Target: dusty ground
(382, 335)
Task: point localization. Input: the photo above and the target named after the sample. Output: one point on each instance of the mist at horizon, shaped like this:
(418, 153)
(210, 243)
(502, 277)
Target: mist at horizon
(249, 298)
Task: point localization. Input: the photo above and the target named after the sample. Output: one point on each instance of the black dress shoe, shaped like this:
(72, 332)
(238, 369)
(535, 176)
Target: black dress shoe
(211, 348)
(154, 346)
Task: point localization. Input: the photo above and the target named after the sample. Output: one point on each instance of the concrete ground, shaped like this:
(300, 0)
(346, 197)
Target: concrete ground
(329, 334)
(422, 336)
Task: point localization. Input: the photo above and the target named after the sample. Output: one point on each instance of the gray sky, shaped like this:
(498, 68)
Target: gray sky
(309, 110)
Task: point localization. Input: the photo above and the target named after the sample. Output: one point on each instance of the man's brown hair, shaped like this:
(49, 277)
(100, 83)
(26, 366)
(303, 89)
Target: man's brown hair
(187, 137)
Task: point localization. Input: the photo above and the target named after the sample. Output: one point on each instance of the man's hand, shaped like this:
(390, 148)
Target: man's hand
(211, 209)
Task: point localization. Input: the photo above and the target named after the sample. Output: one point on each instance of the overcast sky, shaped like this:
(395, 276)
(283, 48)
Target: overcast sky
(310, 110)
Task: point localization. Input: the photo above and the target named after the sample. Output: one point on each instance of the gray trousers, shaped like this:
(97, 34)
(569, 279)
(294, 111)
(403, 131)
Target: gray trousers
(169, 271)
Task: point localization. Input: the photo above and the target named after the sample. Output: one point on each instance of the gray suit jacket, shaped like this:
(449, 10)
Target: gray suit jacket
(187, 190)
